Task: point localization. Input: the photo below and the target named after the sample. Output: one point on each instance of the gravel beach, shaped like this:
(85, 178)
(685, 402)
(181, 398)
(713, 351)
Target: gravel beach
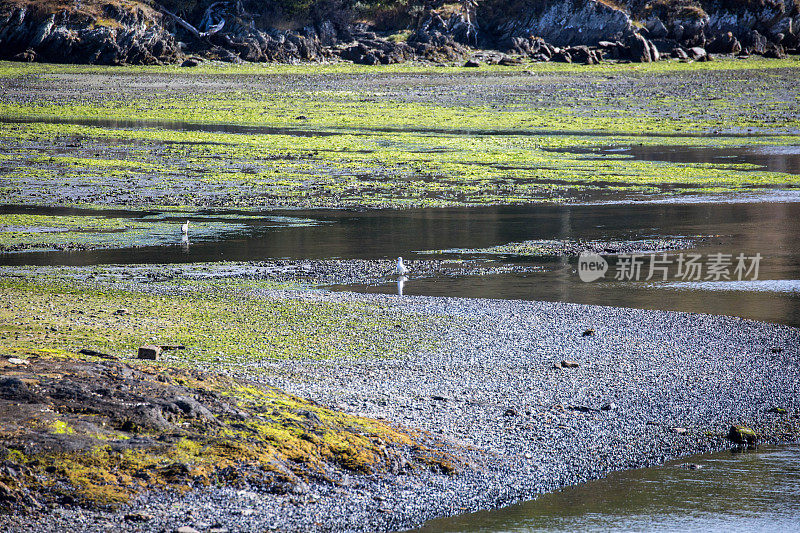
(648, 386)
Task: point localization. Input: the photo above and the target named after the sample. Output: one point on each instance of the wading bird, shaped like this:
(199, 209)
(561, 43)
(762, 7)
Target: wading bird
(185, 227)
(401, 268)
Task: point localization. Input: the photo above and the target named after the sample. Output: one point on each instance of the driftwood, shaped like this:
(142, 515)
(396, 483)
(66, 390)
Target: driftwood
(197, 34)
(208, 24)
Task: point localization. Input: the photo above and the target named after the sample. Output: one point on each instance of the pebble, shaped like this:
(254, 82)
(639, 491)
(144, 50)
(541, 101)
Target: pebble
(138, 517)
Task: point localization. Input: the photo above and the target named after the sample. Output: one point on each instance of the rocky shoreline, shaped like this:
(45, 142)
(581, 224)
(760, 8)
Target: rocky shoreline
(533, 395)
(587, 31)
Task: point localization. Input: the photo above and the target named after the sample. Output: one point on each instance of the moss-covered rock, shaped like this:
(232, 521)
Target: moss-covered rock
(742, 435)
(97, 432)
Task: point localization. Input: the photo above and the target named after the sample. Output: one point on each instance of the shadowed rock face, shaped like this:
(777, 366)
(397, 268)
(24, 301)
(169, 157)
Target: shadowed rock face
(756, 25)
(96, 32)
(112, 36)
(579, 22)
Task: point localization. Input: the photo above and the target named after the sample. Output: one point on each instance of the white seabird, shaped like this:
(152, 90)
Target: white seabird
(185, 227)
(401, 268)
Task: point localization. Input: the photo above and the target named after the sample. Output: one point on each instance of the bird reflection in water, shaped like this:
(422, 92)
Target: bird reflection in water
(185, 243)
(401, 282)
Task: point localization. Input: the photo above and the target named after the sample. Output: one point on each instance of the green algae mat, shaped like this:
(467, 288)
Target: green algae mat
(413, 136)
(223, 325)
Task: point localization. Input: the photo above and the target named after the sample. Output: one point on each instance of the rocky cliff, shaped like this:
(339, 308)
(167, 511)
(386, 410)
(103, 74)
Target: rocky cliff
(766, 27)
(134, 32)
(561, 23)
(104, 34)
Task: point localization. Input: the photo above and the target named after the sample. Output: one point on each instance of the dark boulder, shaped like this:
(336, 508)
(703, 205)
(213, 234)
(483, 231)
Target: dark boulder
(724, 44)
(638, 49)
(665, 46)
(612, 50)
(742, 435)
(149, 352)
(507, 61)
(679, 53)
(515, 45)
(562, 56)
(755, 43)
(697, 53)
(376, 51)
(584, 55)
(790, 40)
(28, 56)
(774, 51)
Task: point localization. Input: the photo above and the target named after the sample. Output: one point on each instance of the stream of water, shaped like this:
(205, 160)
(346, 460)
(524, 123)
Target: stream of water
(754, 491)
(769, 228)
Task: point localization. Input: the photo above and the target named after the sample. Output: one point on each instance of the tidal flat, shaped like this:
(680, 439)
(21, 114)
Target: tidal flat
(278, 404)
(281, 136)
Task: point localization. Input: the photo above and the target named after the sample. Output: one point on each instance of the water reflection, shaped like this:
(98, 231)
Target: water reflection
(784, 159)
(772, 158)
(401, 283)
(173, 125)
(185, 243)
(752, 491)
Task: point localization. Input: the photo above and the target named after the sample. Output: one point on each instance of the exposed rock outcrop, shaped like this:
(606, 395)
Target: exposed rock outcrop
(681, 22)
(90, 429)
(640, 49)
(111, 36)
(724, 44)
(763, 27)
(579, 22)
(585, 31)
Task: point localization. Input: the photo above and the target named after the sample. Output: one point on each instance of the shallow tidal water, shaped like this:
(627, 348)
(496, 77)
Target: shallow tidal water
(768, 227)
(784, 159)
(754, 491)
